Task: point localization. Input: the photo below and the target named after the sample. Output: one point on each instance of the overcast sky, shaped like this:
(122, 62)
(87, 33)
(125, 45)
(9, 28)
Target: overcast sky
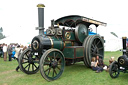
(19, 17)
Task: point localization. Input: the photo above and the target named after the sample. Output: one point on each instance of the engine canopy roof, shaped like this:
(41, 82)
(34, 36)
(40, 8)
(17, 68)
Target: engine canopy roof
(73, 20)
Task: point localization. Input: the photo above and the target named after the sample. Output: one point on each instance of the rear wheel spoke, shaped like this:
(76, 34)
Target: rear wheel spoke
(93, 46)
(100, 48)
(98, 43)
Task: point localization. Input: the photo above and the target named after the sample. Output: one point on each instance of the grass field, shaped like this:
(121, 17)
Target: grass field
(76, 74)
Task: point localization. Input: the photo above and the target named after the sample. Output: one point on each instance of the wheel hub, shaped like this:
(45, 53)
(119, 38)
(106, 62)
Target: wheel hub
(30, 60)
(54, 64)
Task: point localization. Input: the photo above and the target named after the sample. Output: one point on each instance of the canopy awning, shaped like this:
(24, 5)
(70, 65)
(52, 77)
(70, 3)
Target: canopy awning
(73, 20)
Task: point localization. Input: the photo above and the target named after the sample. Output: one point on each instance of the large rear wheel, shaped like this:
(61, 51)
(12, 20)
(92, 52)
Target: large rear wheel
(93, 46)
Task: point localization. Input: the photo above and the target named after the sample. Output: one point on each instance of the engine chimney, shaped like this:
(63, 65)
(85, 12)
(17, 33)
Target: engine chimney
(41, 19)
(124, 44)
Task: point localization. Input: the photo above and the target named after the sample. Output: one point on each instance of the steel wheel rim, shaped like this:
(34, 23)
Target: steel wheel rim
(29, 63)
(85, 53)
(52, 65)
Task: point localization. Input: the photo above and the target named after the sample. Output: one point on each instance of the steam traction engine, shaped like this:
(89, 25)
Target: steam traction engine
(51, 50)
(121, 65)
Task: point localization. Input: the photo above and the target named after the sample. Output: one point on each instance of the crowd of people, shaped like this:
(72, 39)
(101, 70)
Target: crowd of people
(9, 50)
(13, 52)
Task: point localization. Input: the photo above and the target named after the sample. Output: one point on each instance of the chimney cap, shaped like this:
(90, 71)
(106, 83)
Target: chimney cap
(40, 5)
(124, 37)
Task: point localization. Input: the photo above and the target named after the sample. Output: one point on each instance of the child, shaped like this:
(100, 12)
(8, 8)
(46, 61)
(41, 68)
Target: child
(94, 65)
(111, 60)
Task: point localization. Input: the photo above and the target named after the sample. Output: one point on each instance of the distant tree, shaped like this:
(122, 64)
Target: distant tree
(1, 34)
(114, 34)
(1, 29)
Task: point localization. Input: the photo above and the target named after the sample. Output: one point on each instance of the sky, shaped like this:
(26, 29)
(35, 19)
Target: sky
(19, 17)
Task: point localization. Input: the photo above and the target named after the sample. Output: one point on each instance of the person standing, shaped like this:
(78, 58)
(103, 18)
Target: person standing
(5, 51)
(1, 51)
(9, 49)
(17, 54)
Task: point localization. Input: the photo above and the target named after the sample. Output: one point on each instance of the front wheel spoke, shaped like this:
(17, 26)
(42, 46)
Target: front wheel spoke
(113, 68)
(46, 63)
(47, 69)
(115, 73)
(27, 55)
(53, 73)
(28, 67)
(35, 65)
(32, 67)
(58, 68)
(54, 56)
(24, 62)
(57, 56)
(50, 59)
(35, 61)
(46, 60)
(59, 60)
(25, 58)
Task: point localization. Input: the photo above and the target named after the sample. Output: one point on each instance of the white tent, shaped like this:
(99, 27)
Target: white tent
(112, 43)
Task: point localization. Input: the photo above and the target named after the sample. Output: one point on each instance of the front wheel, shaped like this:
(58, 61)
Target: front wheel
(28, 62)
(52, 64)
(114, 70)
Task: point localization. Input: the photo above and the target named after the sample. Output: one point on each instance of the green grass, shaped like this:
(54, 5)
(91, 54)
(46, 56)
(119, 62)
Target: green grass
(76, 74)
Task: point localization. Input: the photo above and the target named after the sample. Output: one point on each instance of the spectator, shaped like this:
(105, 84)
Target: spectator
(1, 50)
(5, 51)
(94, 65)
(111, 60)
(9, 49)
(13, 54)
(17, 54)
(100, 62)
(25, 47)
